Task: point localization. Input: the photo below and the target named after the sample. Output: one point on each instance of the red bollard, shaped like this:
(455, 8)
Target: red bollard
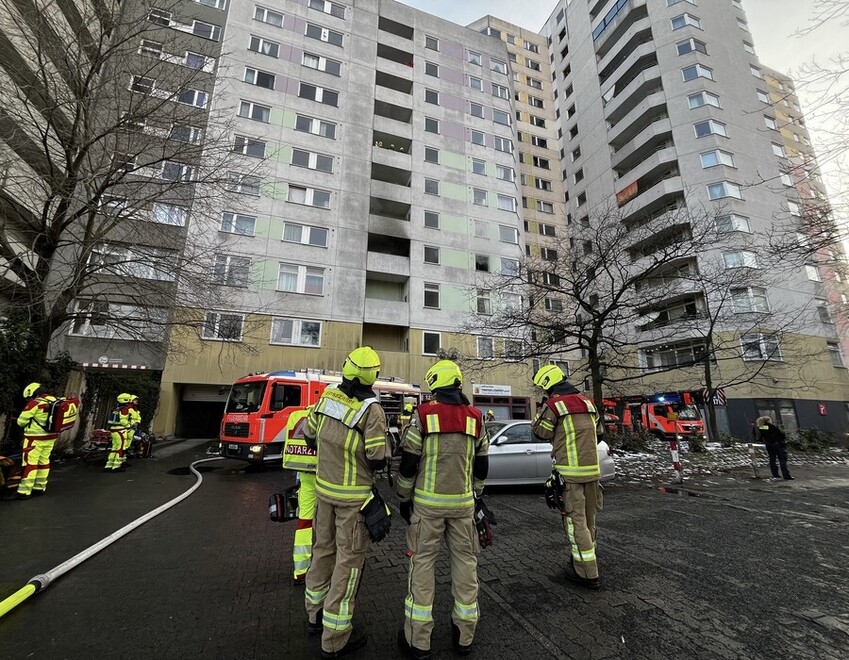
(676, 463)
(754, 461)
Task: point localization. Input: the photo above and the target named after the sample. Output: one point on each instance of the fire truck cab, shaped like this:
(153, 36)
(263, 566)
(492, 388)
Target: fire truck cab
(253, 428)
(667, 415)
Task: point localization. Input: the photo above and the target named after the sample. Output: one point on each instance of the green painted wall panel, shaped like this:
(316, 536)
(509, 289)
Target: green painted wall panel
(451, 159)
(454, 298)
(285, 118)
(454, 191)
(454, 258)
(454, 223)
(275, 189)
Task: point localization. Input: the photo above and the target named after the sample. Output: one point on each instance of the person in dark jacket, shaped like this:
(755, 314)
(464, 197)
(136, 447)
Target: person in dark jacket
(776, 445)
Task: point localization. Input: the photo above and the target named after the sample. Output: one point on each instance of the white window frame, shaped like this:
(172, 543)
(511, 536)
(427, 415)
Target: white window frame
(232, 270)
(316, 126)
(438, 336)
(263, 46)
(686, 19)
(740, 259)
(763, 341)
(313, 160)
(217, 318)
(716, 157)
(485, 348)
(752, 299)
(297, 334)
(700, 70)
(175, 215)
(250, 107)
(307, 234)
(301, 274)
(244, 184)
(706, 98)
(432, 288)
(249, 144)
(728, 222)
(325, 35)
(266, 14)
(309, 196)
(230, 221)
(716, 128)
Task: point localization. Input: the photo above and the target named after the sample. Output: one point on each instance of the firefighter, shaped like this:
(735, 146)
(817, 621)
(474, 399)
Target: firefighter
(405, 418)
(444, 464)
(119, 424)
(38, 441)
(571, 424)
(490, 415)
(135, 422)
(348, 429)
(301, 458)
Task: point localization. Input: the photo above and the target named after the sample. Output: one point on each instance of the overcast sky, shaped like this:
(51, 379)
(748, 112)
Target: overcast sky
(772, 23)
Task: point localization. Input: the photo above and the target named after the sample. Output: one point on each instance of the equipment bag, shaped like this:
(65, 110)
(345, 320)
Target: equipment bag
(284, 506)
(377, 516)
(62, 414)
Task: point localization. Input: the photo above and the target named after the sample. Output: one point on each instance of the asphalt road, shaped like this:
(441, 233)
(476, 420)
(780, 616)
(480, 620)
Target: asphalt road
(745, 570)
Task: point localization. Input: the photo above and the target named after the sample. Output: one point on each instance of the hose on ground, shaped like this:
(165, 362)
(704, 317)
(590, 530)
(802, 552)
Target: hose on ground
(41, 581)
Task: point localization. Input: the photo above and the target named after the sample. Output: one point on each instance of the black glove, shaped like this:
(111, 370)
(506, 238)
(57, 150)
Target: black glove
(554, 488)
(483, 522)
(406, 510)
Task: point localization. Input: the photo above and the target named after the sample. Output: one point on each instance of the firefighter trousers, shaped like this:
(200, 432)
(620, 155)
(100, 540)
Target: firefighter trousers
(302, 548)
(338, 556)
(36, 464)
(581, 502)
(116, 453)
(128, 441)
(424, 538)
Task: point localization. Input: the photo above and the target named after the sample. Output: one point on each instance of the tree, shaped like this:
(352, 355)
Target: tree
(108, 150)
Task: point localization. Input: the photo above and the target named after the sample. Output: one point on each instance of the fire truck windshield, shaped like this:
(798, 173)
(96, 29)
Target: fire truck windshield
(688, 412)
(245, 397)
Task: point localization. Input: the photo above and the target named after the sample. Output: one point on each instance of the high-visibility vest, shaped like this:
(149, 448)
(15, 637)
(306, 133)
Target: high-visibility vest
(297, 455)
(119, 420)
(35, 417)
(581, 461)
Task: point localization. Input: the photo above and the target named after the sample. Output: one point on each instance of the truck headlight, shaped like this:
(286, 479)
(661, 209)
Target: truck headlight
(256, 449)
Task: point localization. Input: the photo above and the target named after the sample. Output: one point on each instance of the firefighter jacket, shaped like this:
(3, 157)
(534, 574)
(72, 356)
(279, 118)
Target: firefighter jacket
(135, 416)
(120, 419)
(297, 455)
(570, 423)
(34, 417)
(348, 434)
(447, 438)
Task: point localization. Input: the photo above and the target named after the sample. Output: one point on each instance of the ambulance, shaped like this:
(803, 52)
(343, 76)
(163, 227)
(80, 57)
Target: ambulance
(253, 428)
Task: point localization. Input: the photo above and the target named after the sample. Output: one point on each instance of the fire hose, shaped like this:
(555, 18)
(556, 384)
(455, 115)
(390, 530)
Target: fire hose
(43, 580)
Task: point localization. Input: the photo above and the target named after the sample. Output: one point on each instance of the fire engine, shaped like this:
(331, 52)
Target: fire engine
(253, 428)
(666, 415)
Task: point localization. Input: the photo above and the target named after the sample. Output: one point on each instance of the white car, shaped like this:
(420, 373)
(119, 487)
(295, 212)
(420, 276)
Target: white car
(517, 457)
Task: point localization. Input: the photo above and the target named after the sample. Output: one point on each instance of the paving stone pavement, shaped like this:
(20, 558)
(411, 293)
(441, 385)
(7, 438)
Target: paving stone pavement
(742, 569)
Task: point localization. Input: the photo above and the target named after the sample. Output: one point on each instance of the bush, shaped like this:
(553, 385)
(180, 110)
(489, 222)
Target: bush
(812, 440)
(632, 441)
(697, 443)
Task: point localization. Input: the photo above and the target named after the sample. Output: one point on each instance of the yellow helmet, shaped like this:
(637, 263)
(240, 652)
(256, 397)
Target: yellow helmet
(30, 390)
(548, 376)
(490, 412)
(444, 373)
(125, 398)
(408, 408)
(362, 363)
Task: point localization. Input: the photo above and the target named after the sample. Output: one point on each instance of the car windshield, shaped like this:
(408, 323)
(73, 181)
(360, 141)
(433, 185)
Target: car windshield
(245, 397)
(493, 427)
(688, 412)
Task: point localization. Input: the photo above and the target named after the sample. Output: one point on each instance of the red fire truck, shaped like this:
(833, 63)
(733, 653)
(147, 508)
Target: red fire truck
(258, 408)
(666, 415)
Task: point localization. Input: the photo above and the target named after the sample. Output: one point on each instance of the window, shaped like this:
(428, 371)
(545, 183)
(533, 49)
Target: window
(549, 254)
(576, 154)
(243, 183)
(506, 202)
(479, 197)
(431, 187)
(478, 138)
(696, 71)
(677, 355)
(823, 313)
(478, 166)
(99, 318)
(553, 305)
(431, 43)
(254, 111)
(763, 97)
(142, 85)
(432, 96)
(185, 133)
(531, 47)
(731, 222)
(249, 146)
(328, 8)
(476, 83)
(431, 295)
(267, 16)
(684, 20)
(537, 121)
(700, 99)
(749, 48)
(542, 163)
(740, 259)
(315, 126)
(309, 196)
(474, 58)
(431, 155)
(501, 117)
(756, 72)
(193, 97)
(206, 30)
(508, 234)
(431, 254)
(486, 348)
(500, 91)
(835, 354)
(312, 161)
(770, 123)
(293, 278)
(786, 179)
(546, 230)
(579, 175)
(264, 46)
(333, 67)
(431, 125)
(538, 141)
(778, 150)
(295, 332)
(532, 64)
(431, 343)
(813, 273)
(231, 270)
(750, 299)
(150, 49)
(223, 327)
(536, 102)
(484, 302)
(476, 110)
(509, 267)
(159, 17)
(545, 207)
(742, 24)
(431, 219)
(710, 127)
(669, 3)
(691, 45)
(794, 207)
(237, 223)
(503, 144)
(215, 4)
(533, 82)
(717, 157)
(724, 189)
(314, 93)
(169, 214)
(323, 34)
(304, 234)
(505, 173)
(760, 347)
(174, 171)
(498, 66)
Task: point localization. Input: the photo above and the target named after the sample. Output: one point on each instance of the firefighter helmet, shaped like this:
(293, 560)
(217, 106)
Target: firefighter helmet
(125, 398)
(408, 408)
(444, 373)
(548, 376)
(362, 363)
(30, 390)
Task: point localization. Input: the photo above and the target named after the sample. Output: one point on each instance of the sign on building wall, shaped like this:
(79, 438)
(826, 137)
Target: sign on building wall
(482, 389)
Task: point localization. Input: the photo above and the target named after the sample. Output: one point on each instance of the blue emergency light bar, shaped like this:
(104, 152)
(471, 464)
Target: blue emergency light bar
(284, 374)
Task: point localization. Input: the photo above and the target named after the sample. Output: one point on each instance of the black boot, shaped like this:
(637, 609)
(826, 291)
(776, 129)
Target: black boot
(356, 641)
(455, 640)
(589, 583)
(317, 627)
(411, 651)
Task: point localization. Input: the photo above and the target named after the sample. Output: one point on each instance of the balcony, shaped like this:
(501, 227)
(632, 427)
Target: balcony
(640, 46)
(388, 265)
(390, 312)
(385, 155)
(650, 110)
(383, 79)
(398, 114)
(619, 101)
(378, 224)
(639, 33)
(652, 198)
(652, 137)
(616, 23)
(393, 175)
(389, 208)
(392, 192)
(393, 97)
(401, 30)
(654, 162)
(400, 56)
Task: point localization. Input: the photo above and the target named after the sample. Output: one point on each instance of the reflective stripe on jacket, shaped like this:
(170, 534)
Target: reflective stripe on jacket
(570, 423)
(33, 418)
(297, 455)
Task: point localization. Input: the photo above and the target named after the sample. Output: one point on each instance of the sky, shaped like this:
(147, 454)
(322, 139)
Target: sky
(771, 22)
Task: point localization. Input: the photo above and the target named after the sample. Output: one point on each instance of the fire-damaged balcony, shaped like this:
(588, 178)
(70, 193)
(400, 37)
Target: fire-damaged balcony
(677, 309)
